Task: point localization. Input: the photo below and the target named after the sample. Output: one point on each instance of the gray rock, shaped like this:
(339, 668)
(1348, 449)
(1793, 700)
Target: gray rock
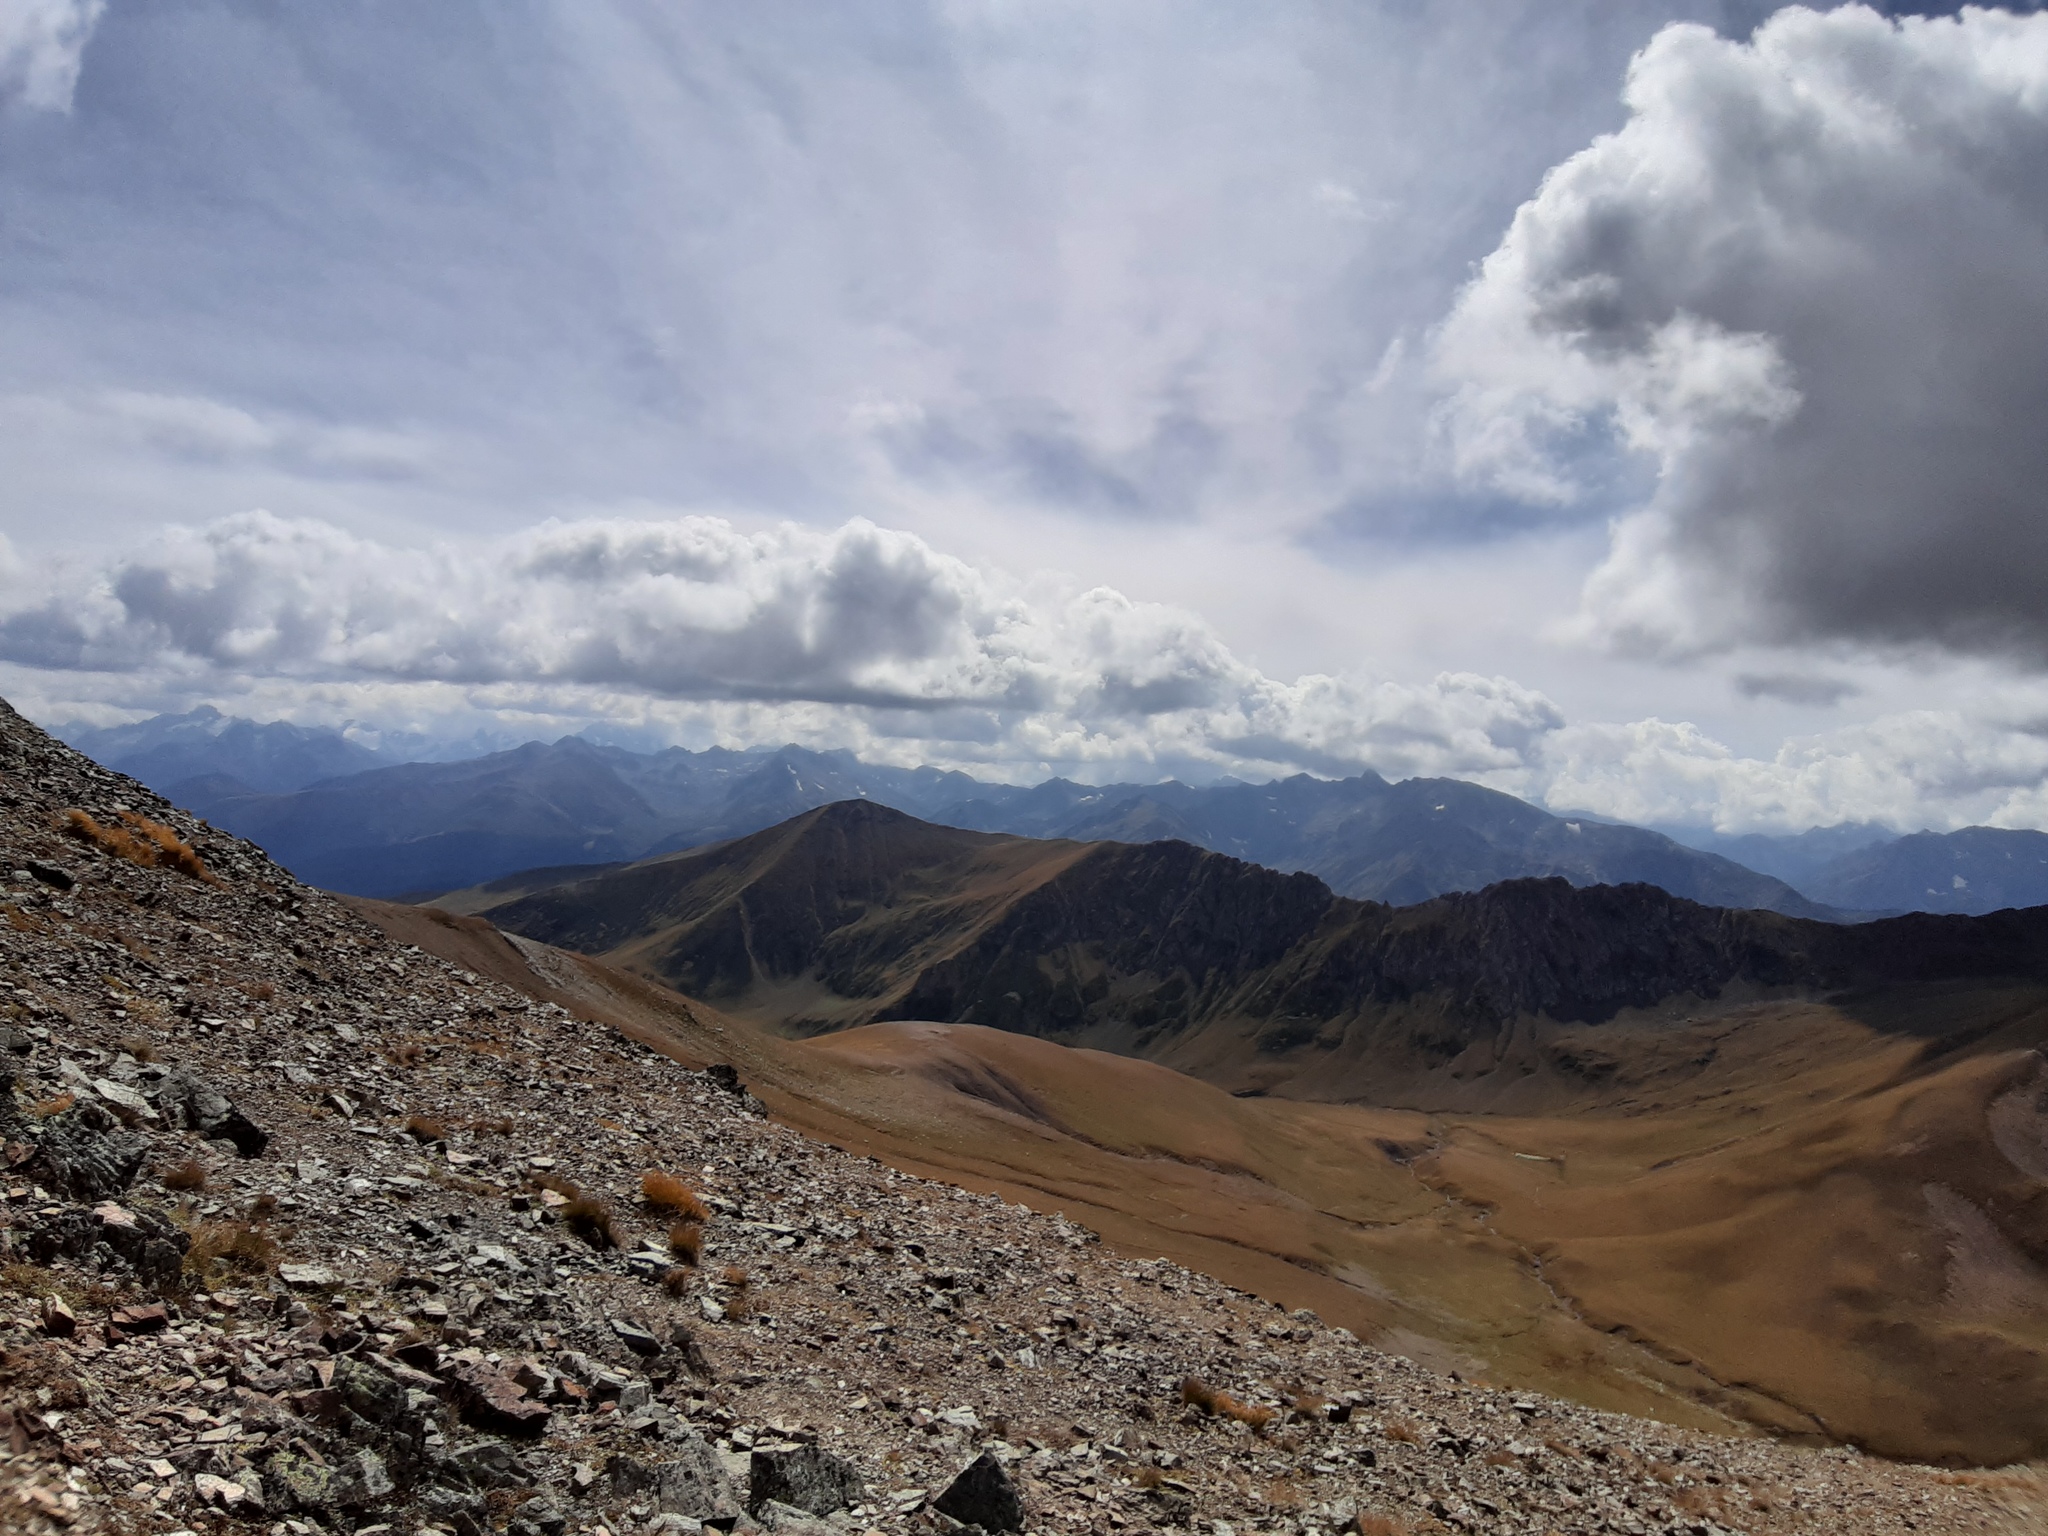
(369, 1393)
(635, 1338)
(465, 1512)
(785, 1520)
(805, 1477)
(295, 1482)
(487, 1464)
(983, 1495)
(360, 1478)
(150, 1244)
(183, 1100)
(84, 1154)
(693, 1483)
(538, 1516)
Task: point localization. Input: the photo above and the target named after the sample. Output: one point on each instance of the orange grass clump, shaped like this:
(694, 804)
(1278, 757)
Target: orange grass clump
(666, 1192)
(1198, 1394)
(150, 844)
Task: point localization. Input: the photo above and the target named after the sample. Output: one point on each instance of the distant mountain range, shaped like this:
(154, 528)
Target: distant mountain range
(350, 818)
(272, 758)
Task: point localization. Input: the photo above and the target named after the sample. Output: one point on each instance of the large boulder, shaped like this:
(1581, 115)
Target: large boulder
(805, 1477)
(983, 1495)
(185, 1101)
(83, 1153)
(693, 1483)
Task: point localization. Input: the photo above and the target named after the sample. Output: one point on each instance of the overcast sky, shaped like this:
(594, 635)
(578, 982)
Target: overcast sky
(1633, 405)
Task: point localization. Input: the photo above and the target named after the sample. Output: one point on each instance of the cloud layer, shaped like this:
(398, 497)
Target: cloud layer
(690, 628)
(869, 622)
(1809, 279)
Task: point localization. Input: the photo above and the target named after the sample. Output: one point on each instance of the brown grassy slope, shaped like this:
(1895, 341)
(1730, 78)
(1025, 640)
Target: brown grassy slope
(1243, 976)
(1706, 1240)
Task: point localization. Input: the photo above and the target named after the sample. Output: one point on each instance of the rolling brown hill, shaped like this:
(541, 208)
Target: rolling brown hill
(1803, 1187)
(1253, 980)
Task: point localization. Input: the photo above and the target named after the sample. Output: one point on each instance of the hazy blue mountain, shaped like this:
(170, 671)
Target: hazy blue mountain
(1974, 871)
(420, 827)
(1376, 841)
(1796, 858)
(168, 750)
(416, 827)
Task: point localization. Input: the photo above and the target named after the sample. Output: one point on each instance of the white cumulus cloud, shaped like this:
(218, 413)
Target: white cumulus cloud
(42, 45)
(874, 625)
(1808, 279)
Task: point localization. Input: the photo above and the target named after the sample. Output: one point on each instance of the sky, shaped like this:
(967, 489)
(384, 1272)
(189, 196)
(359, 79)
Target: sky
(1633, 406)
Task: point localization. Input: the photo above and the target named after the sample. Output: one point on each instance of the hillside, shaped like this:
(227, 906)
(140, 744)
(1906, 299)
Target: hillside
(1819, 1218)
(1255, 980)
(288, 1241)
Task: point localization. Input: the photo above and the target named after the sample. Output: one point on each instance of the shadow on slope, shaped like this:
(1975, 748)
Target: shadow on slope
(1812, 1218)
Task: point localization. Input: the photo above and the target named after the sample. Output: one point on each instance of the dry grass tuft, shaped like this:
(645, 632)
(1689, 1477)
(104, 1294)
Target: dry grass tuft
(676, 1281)
(262, 1207)
(1382, 1525)
(407, 1053)
(240, 1246)
(592, 1220)
(1149, 1477)
(56, 1106)
(1199, 1395)
(190, 1174)
(499, 1127)
(425, 1130)
(735, 1277)
(150, 844)
(138, 1046)
(666, 1192)
(1403, 1431)
(686, 1241)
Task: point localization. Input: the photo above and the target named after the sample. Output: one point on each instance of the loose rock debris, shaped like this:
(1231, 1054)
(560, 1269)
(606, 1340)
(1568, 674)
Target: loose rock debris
(306, 1231)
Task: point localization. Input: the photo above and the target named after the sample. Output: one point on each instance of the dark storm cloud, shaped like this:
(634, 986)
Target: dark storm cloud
(1810, 277)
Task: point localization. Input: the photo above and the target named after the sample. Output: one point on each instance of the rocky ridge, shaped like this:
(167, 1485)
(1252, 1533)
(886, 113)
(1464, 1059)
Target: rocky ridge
(309, 1231)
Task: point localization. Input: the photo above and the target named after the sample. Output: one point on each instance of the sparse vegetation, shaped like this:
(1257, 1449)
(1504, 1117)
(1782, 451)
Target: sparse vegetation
(675, 1281)
(190, 1174)
(1403, 1431)
(686, 1241)
(667, 1193)
(138, 1046)
(425, 1130)
(150, 844)
(240, 1246)
(1382, 1525)
(592, 1220)
(736, 1305)
(1202, 1397)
